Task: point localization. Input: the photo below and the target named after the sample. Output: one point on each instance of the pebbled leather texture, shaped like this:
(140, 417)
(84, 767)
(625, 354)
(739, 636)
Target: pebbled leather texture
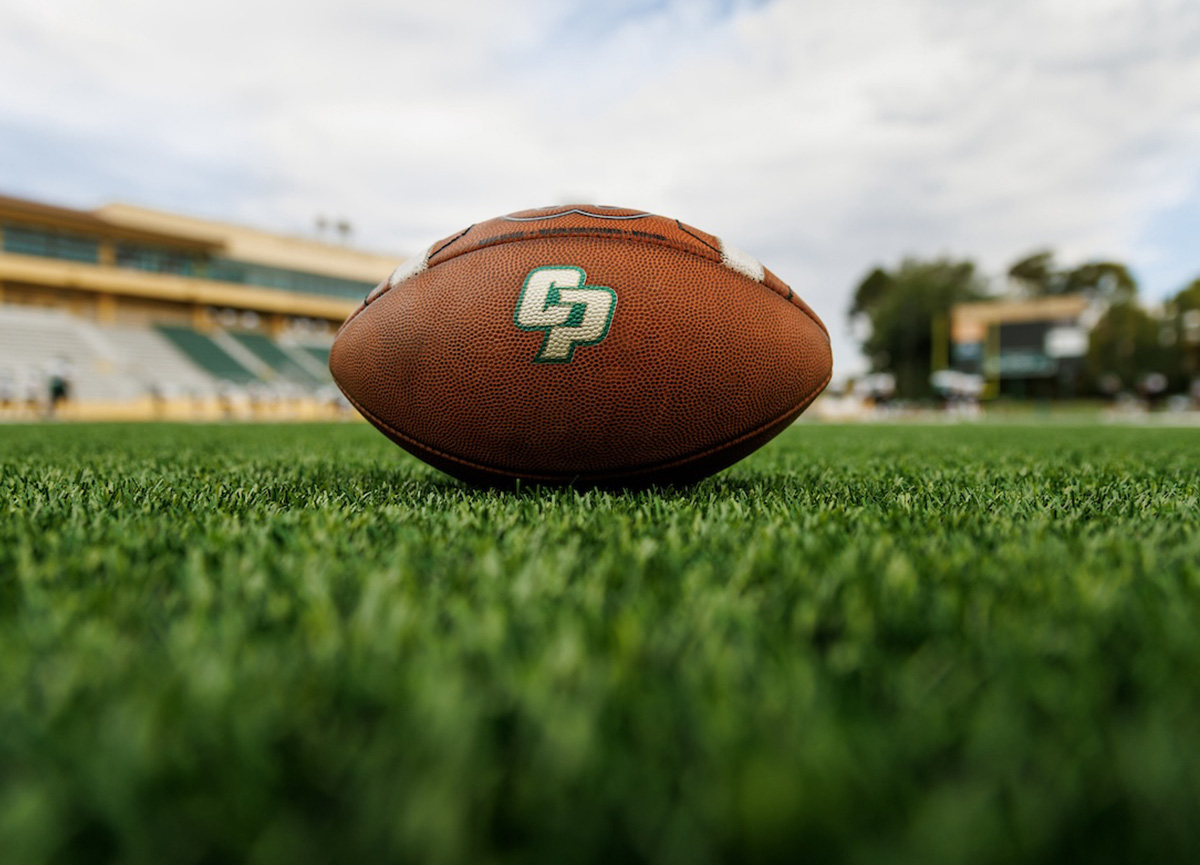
(699, 364)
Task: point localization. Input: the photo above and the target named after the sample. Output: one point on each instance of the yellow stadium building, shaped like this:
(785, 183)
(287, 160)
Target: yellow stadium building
(1033, 347)
(135, 313)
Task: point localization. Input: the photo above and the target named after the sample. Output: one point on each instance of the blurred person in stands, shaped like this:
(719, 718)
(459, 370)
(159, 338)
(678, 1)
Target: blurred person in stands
(59, 386)
(8, 393)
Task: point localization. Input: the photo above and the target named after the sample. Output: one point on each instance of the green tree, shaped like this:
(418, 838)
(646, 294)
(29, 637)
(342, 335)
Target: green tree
(1107, 280)
(1126, 343)
(870, 291)
(1037, 274)
(901, 305)
(1186, 308)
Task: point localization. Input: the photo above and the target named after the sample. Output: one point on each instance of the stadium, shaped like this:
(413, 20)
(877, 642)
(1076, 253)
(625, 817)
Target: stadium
(155, 315)
(842, 505)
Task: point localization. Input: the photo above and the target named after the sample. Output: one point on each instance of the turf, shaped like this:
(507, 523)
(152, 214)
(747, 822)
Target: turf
(878, 644)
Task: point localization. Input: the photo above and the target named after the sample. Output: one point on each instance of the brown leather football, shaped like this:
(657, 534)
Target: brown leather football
(581, 345)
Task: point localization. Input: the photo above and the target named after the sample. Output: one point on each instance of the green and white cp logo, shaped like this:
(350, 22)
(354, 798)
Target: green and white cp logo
(555, 300)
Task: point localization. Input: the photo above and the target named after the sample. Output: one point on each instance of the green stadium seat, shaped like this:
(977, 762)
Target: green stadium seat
(276, 358)
(207, 354)
(320, 352)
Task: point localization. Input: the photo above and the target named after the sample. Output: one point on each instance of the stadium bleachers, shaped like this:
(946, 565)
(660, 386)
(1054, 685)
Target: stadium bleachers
(36, 342)
(152, 360)
(319, 353)
(314, 358)
(207, 355)
(277, 359)
(128, 364)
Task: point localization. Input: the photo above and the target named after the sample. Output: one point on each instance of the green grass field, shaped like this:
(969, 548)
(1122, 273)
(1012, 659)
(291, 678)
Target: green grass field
(876, 644)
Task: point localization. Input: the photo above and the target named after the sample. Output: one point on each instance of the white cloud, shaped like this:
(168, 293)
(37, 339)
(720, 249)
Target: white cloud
(821, 137)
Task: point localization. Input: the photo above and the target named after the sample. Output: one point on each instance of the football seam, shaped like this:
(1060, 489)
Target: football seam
(642, 214)
(791, 296)
(586, 478)
(699, 239)
(433, 252)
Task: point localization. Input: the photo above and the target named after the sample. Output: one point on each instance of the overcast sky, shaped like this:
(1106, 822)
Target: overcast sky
(822, 137)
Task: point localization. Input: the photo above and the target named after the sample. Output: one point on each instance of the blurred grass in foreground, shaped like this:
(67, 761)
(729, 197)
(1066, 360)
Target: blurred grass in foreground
(878, 644)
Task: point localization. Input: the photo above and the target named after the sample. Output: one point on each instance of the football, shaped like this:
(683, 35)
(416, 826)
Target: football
(586, 345)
